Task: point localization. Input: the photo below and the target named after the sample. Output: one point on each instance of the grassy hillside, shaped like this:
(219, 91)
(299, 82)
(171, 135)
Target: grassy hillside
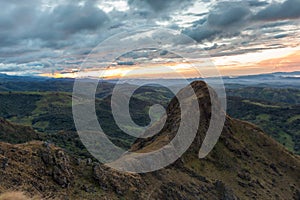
(14, 133)
(274, 95)
(282, 122)
(44, 111)
(50, 113)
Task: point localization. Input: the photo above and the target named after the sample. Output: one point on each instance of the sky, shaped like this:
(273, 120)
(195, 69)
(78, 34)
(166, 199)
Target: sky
(54, 37)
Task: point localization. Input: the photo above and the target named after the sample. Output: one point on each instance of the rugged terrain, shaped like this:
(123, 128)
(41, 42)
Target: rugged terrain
(245, 164)
(280, 121)
(45, 104)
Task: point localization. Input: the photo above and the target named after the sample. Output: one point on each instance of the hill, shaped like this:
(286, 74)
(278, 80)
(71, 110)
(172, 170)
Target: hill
(245, 164)
(15, 134)
(51, 113)
(279, 120)
(287, 96)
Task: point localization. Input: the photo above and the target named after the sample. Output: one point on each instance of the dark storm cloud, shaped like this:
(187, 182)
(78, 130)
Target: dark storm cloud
(289, 9)
(31, 33)
(281, 36)
(15, 19)
(225, 19)
(228, 15)
(275, 24)
(159, 6)
(200, 33)
(21, 22)
(255, 3)
(228, 19)
(125, 63)
(69, 19)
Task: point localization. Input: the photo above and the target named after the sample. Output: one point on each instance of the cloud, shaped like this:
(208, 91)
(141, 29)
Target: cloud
(200, 33)
(14, 21)
(225, 19)
(23, 68)
(66, 20)
(63, 32)
(21, 22)
(228, 15)
(283, 35)
(229, 18)
(255, 3)
(159, 6)
(290, 9)
(32, 31)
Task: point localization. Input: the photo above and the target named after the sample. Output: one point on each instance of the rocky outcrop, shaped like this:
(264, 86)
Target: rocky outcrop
(58, 165)
(120, 183)
(225, 192)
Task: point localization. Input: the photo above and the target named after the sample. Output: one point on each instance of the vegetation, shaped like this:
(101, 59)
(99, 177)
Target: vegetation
(245, 164)
(281, 121)
(268, 94)
(274, 110)
(50, 113)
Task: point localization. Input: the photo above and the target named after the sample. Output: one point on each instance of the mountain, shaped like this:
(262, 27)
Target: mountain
(287, 96)
(34, 83)
(42, 84)
(280, 121)
(245, 164)
(49, 111)
(273, 80)
(14, 133)
(275, 110)
(45, 84)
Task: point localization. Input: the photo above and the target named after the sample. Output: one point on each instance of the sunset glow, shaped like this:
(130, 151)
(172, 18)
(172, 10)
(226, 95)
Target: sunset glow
(281, 60)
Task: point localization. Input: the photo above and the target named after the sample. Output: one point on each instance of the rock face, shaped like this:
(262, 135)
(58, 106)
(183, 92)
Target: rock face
(225, 192)
(58, 164)
(245, 164)
(120, 183)
(36, 164)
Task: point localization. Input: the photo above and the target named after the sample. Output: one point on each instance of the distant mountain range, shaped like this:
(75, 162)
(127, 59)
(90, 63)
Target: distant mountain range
(36, 83)
(278, 79)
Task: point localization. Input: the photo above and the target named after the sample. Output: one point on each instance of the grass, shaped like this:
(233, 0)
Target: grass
(279, 121)
(263, 117)
(260, 104)
(287, 141)
(294, 118)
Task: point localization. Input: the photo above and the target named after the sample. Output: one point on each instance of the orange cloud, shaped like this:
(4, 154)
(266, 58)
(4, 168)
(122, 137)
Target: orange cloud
(287, 63)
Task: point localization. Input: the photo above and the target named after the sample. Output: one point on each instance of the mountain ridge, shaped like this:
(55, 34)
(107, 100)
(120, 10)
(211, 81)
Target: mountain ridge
(244, 164)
